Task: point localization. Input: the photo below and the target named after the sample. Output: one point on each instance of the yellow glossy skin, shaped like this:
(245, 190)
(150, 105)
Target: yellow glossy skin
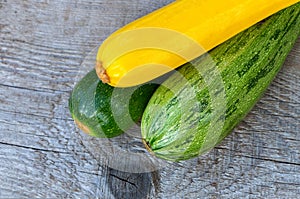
(175, 34)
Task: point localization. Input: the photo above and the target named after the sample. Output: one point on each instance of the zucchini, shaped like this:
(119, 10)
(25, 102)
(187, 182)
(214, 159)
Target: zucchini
(175, 34)
(104, 111)
(198, 106)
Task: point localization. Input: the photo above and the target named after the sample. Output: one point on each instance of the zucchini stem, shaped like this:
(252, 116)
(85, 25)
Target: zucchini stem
(82, 127)
(147, 146)
(101, 72)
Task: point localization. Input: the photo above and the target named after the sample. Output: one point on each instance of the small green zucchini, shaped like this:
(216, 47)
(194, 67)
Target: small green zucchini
(103, 111)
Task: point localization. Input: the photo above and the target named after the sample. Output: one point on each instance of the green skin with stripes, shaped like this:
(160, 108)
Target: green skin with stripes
(179, 125)
(90, 105)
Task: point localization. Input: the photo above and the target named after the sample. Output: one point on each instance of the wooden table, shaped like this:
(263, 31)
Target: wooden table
(43, 45)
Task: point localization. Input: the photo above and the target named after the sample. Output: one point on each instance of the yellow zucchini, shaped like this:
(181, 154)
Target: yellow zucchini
(175, 34)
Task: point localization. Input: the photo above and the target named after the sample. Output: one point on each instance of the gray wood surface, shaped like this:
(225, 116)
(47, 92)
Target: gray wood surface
(43, 45)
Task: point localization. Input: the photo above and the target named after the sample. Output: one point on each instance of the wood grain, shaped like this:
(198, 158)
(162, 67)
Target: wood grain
(43, 155)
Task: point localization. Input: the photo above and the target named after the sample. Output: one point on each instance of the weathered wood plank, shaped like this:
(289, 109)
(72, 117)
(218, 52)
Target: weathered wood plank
(43, 155)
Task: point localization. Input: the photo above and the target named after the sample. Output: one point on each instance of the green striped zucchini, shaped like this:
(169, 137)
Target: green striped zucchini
(201, 104)
(104, 111)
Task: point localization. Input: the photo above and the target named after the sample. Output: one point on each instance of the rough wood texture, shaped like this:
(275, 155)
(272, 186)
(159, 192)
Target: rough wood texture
(43, 155)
